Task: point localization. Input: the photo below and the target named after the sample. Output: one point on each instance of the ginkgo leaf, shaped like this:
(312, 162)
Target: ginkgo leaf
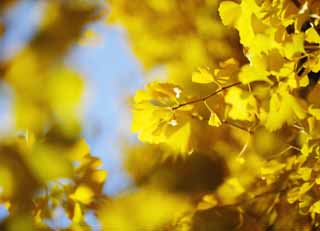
(315, 112)
(82, 194)
(295, 46)
(48, 163)
(315, 209)
(271, 170)
(296, 193)
(240, 16)
(77, 214)
(214, 120)
(312, 35)
(79, 150)
(250, 73)
(283, 108)
(208, 201)
(256, 71)
(99, 176)
(90, 37)
(180, 140)
(229, 12)
(230, 190)
(227, 70)
(152, 210)
(202, 76)
(305, 173)
(243, 105)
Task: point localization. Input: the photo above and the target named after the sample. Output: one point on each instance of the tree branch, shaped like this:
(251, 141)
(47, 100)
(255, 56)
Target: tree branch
(206, 97)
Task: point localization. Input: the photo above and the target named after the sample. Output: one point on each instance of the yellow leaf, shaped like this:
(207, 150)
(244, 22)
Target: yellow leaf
(296, 193)
(229, 12)
(312, 35)
(49, 163)
(305, 173)
(153, 210)
(208, 201)
(256, 71)
(83, 194)
(180, 140)
(315, 112)
(283, 108)
(243, 104)
(272, 168)
(214, 120)
(230, 190)
(90, 37)
(202, 76)
(241, 17)
(315, 209)
(79, 150)
(295, 46)
(77, 214)
(65, 89)
(99, 176)
(227, 70)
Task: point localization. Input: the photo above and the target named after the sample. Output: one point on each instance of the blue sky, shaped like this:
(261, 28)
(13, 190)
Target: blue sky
(111, 73)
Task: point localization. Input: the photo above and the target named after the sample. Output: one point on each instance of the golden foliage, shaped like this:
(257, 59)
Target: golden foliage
(230, 141)
(259, 115)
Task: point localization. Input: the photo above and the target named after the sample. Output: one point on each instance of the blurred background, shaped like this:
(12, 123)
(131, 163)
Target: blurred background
(111, 73)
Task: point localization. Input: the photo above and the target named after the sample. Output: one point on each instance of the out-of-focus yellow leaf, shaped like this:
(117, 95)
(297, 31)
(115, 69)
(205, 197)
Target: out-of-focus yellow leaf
(271, 170)
(214, 120)
(90, 38)
(230, 190)
(229, 12)
(152, 211)
(7, 184)
(77, 214)
(79, 150)
(21, 222)
(48, 163)
(162, 6)
(202, 76)
(296, 193)
(315, 209)
(99, 176)
(208, 201)
(82, 194)
(65, 89)
(180, 140)
(315, 112)
(305, 173)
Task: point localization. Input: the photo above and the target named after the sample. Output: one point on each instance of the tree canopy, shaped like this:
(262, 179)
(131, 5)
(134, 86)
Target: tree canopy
(228, 122)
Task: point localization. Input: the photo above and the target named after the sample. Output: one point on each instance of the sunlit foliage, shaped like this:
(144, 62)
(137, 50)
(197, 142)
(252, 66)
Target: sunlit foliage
(228, 120)
(250, 103)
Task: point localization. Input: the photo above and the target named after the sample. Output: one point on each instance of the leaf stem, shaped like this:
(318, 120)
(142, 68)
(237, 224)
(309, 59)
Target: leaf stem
(206, 97)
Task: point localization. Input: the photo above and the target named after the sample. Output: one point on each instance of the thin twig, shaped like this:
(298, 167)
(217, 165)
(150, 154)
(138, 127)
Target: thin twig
(238, 126)
(206, 97)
